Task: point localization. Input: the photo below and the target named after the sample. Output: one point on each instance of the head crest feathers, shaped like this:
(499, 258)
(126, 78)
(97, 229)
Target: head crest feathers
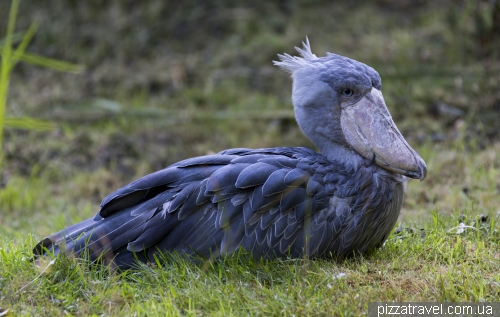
(292, 63)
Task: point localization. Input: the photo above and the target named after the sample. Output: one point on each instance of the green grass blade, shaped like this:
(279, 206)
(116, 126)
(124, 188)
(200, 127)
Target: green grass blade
(27, 123)
(24, 43)
(51, 63)
(10, 28)
(6, 68)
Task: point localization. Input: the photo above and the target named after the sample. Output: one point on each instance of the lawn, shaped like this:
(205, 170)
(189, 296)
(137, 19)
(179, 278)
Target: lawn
(166, 81)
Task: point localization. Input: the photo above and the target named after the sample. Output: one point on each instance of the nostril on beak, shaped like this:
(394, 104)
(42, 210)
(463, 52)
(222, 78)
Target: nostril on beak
(370, 97)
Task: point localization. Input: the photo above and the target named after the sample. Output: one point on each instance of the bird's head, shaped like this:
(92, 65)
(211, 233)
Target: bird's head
(339, 106)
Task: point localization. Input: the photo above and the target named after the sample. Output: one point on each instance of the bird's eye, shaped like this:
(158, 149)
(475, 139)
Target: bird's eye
(346, 92)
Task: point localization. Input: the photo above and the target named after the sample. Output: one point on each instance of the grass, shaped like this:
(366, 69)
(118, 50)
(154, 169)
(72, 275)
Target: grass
(442, 266)
(149, 98)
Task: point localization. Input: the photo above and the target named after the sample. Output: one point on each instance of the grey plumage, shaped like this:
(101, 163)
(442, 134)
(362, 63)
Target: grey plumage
(271, 202)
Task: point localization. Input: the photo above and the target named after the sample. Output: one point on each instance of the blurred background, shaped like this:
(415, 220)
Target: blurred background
(167, 80)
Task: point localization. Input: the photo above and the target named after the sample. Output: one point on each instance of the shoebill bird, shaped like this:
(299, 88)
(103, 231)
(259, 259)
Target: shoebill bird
(272, 202)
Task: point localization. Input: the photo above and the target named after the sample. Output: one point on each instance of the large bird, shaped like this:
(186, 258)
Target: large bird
(272, 202)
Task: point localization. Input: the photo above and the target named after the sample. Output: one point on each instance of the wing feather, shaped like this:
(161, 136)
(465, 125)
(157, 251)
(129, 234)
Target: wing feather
(254, 175)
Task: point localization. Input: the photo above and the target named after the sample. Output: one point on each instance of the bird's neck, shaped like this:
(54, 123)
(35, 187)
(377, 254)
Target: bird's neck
(342, 154)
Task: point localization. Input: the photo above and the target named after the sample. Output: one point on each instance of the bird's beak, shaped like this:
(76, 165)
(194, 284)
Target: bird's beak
(369, 129)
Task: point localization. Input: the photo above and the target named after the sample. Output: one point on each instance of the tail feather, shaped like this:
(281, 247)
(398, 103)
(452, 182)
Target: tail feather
(104, 239)
(51, 243)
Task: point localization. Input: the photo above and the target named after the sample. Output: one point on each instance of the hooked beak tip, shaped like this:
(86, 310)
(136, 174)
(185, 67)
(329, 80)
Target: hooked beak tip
(420, 173)
(422, 169)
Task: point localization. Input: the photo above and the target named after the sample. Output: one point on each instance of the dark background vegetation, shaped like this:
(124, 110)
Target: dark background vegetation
(166, 80)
